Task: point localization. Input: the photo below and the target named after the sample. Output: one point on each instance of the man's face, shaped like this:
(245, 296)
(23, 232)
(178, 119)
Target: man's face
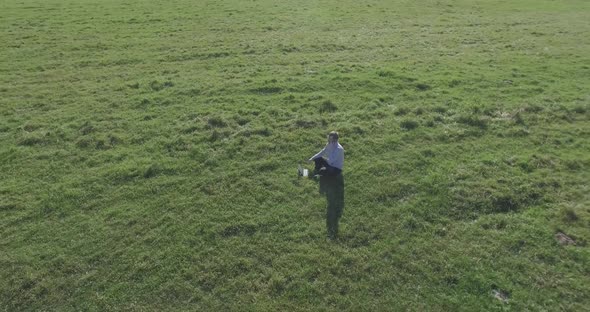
(331, 139)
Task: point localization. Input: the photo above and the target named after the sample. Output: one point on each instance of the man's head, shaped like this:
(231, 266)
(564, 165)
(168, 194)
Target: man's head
(333, 137)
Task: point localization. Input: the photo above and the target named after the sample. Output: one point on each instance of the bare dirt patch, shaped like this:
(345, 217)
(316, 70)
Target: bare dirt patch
(563, 239)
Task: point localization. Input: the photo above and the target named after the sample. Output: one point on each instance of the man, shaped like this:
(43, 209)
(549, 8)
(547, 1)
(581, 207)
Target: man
(329, 170)
(329, 161)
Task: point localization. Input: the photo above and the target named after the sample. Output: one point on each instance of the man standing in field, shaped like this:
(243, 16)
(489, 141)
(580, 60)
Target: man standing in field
(328, 166)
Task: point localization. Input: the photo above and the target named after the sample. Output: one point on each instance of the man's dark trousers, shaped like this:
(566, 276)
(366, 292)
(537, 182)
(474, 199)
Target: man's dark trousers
(333, 186)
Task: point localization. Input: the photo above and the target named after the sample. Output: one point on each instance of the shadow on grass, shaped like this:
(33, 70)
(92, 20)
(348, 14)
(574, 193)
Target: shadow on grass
(333, 189)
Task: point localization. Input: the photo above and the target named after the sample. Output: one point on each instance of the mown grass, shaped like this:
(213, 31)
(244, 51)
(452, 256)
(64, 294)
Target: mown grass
(148, 154)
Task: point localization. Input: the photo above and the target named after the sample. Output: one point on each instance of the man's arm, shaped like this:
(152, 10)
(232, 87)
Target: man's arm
(319, 154)
(338, 162)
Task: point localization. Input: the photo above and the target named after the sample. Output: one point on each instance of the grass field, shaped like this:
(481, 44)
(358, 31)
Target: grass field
(148, 155)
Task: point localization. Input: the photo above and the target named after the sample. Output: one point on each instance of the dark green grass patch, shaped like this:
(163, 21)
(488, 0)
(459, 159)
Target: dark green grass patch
(409, 124)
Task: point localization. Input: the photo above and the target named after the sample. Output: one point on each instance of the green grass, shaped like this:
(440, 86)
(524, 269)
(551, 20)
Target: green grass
(148, 153)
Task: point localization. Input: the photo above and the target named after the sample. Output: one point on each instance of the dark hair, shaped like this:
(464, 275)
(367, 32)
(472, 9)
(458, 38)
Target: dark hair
(334, 134)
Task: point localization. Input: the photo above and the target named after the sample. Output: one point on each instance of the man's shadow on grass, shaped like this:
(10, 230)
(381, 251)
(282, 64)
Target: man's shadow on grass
(333, 188)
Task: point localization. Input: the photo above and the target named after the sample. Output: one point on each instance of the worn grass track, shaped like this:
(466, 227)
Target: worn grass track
(148, 154)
